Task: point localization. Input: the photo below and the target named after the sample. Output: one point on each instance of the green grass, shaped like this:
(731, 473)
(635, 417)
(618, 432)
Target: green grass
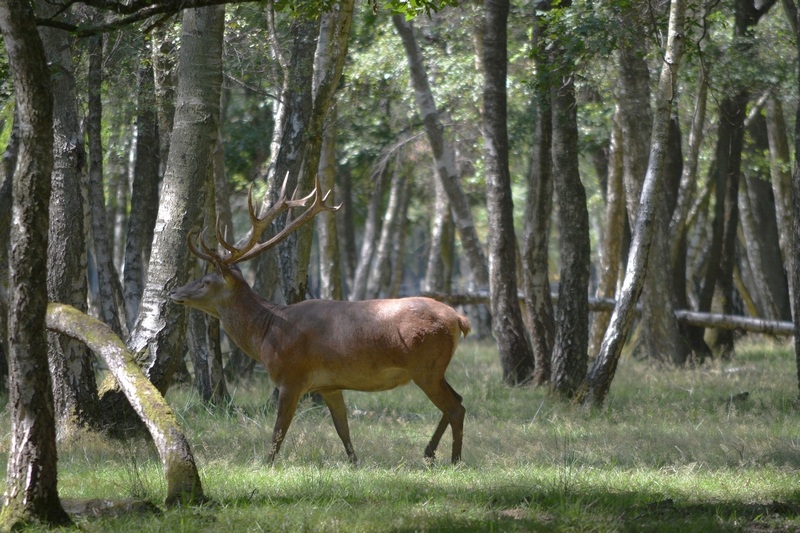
(670, 451)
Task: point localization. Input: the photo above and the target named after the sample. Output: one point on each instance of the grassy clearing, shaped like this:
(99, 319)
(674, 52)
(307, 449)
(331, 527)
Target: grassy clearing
(673, 450)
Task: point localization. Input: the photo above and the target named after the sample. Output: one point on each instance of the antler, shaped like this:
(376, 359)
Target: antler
(252, 247)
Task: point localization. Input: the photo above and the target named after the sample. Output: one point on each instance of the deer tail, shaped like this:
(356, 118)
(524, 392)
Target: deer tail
(463, 324)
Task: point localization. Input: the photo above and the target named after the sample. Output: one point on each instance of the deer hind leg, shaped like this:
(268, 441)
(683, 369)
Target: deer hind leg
(335, 402)
(449, 402)
(287, 405)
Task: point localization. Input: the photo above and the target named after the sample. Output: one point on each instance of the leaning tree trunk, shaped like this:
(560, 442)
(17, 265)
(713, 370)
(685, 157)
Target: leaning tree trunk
(662, 337)
(602, 372)
(328, 64)
(183, 480)
(509, 331)
(31, 492)
(443, 154)
(158, 337)
(71, 365)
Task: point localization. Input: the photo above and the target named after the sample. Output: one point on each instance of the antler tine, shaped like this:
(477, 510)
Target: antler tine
(317, 206)
(207, 254)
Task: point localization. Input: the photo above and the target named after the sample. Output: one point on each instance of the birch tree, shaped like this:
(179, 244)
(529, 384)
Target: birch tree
(31, 493)
(602, 371)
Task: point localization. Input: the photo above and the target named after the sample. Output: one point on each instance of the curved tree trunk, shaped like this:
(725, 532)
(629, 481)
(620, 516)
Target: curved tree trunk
(31, 492)
(183, 480)
(380, 270)
(509, 331)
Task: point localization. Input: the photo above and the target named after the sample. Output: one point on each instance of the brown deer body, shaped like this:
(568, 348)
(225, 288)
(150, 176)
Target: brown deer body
(327, 346)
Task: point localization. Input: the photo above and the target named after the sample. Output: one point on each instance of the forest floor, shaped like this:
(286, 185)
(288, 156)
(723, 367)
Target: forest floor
(715, 448)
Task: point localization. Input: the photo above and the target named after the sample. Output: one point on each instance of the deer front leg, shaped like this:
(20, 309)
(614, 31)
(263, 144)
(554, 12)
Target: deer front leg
(287, 405)
(335, 402)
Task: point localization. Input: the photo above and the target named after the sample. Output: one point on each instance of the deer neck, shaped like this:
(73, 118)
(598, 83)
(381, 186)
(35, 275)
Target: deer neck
(248, 320)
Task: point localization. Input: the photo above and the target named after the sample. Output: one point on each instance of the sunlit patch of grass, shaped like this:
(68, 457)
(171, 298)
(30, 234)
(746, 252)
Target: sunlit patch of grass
(672, 450)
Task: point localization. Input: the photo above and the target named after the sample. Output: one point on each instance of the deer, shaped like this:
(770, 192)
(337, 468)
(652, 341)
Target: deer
(328, 346)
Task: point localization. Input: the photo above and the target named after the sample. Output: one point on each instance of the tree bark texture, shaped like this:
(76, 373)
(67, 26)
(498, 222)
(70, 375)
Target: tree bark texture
(536, 233)
(509, 331)
(109, 296)
(31, 493)
(662, 337)
(614, 224)
(604, 367)
(158, 337)
(144, 194)
(331, 283)
(796, 214)
(71, 365)
(570, 348)
(372, 226)
(183, 480)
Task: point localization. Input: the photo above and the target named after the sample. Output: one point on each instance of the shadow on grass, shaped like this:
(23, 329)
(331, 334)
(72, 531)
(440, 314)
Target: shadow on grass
(400, 505)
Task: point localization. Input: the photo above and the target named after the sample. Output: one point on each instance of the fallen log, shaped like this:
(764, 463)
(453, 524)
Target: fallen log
(692, 318)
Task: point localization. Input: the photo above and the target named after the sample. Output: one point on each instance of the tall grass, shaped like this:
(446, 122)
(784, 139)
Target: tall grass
(672, 450)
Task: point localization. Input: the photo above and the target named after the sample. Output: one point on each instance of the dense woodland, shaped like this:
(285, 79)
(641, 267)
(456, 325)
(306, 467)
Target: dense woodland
(522, 157)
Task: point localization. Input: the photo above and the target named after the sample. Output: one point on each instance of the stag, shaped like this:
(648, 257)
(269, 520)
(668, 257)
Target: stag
(328, 346)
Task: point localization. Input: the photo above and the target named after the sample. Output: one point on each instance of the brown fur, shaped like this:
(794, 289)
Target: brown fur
(327, 346)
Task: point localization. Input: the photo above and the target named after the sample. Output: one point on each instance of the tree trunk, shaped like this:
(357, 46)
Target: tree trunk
(380, 270)
(570, 348)
(158, 337)
(662, 337)
(438, 272)
(443, 153)
(109, 288)
(331, 287)
(328, 64)
(604, 367)
(780, 161)
(760, 228)
(614, 224)
(31, 493)
(71, 365)
(796, 212)
(144, 195)
(164, 53)
(680, 222)
(509, 331)
(536, 233)
(371, 228)
(6, 180)
(183, 480)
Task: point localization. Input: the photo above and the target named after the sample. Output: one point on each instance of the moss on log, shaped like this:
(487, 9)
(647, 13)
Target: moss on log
(183, 480)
